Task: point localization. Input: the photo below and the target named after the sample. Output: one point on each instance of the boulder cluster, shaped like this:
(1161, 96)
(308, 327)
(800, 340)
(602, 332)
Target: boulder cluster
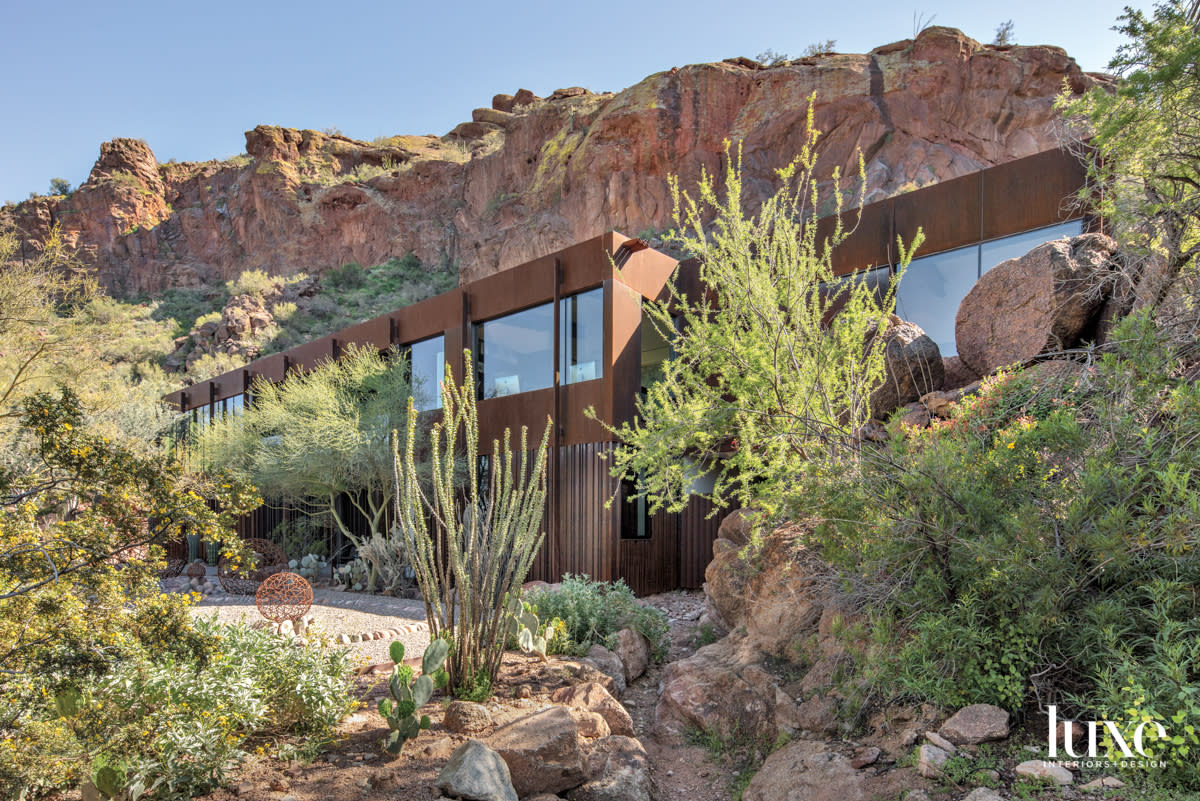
(580, 747)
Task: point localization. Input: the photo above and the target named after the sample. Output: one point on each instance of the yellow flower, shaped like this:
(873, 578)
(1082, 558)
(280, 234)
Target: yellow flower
(1012, 445)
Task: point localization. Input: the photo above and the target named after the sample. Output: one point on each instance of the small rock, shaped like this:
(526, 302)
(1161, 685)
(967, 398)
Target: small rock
(1104, 782)
(609, 664)
(916, 795)
(591, 724)
(244, 788)
(464, 717)
(524, 692)
(863, 757)
(941, 742)
(1040, 769)
(439, 748)
(976, 724)
(343, 639)
(908, 737)
(279, 784)
(930, 760)
(477, 772)
(633, 649)
(983, 794)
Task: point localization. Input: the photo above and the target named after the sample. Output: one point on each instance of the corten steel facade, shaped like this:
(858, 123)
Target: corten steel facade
(579, 361)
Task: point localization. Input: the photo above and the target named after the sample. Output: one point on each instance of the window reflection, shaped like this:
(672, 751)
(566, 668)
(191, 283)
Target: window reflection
(1010, 247)
(931, 290)
(935, 285)
(581, 328)
(428, 367)
(515, 353)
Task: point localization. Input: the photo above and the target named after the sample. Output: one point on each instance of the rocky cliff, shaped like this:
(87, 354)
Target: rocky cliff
(530, 175)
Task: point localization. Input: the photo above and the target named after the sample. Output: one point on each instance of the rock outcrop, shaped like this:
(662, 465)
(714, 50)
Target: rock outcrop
(1037, 303)
(529, 176)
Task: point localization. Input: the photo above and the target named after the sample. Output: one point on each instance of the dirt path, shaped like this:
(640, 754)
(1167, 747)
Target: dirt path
(681, 772)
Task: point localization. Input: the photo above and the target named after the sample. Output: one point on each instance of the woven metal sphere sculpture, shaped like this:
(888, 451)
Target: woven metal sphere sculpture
(197, 570)
(283, 596)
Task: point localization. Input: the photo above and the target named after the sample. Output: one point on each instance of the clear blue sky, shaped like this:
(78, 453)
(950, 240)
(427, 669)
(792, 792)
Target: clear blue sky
(191, 77)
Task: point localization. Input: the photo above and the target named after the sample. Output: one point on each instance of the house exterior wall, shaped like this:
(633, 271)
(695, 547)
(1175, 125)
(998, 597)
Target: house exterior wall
(583, 527)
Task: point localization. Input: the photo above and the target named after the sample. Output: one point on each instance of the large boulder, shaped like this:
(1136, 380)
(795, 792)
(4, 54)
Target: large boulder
(720, 688)
(619, 770)
(1037, 303)
(807, 770)
(913, 365)
(592, 697)
(477, 773)
(542, 752)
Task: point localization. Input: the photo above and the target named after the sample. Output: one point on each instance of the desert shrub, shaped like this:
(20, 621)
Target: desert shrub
(82, 524)
(282, 312)
(594, 611)
(1041, 544)
(174, 728)
(350, 275)
(251, 282)
(183, 306)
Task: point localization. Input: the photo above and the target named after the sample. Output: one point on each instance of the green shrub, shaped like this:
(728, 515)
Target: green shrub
(251, 282)
(594, 611)
(1042, 543)
(170, 728)
(350, 275)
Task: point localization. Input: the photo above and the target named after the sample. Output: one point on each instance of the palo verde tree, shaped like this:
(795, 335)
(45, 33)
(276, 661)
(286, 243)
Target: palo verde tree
(321, 437)
(471, 545)
(1143, 137)
(765, 378)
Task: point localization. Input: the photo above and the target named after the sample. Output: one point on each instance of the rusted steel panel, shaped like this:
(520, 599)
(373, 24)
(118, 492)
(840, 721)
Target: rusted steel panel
(373, 333)
(1030, 193)
(528, 409)
(622, 350)
(869, 242)
(948, 213)
(697, 532)
(505, 292)
(311, 354)
(587, 535)
(576, 427)
(270, 368)
(429, 317)
(646, 271)
(651, 565)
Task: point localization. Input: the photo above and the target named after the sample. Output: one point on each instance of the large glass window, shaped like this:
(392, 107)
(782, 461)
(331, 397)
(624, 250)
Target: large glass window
(1010, 247)
(428, 366)
(934, 285)
(581, 328)
(515, 353)
(931, 290)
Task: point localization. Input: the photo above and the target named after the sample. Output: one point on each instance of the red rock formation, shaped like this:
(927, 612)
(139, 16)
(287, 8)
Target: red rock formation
(530, 176)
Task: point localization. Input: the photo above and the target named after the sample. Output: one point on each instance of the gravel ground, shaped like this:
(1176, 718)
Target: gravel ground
(334, 621)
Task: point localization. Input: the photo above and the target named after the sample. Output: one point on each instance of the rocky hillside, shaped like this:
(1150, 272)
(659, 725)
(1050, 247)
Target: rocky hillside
(530, 175)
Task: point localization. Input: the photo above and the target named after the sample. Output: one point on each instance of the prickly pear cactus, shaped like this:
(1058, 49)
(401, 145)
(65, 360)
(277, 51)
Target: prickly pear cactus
(410, 694)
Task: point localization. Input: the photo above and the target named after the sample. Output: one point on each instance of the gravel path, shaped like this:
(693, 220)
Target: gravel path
(341, 613)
